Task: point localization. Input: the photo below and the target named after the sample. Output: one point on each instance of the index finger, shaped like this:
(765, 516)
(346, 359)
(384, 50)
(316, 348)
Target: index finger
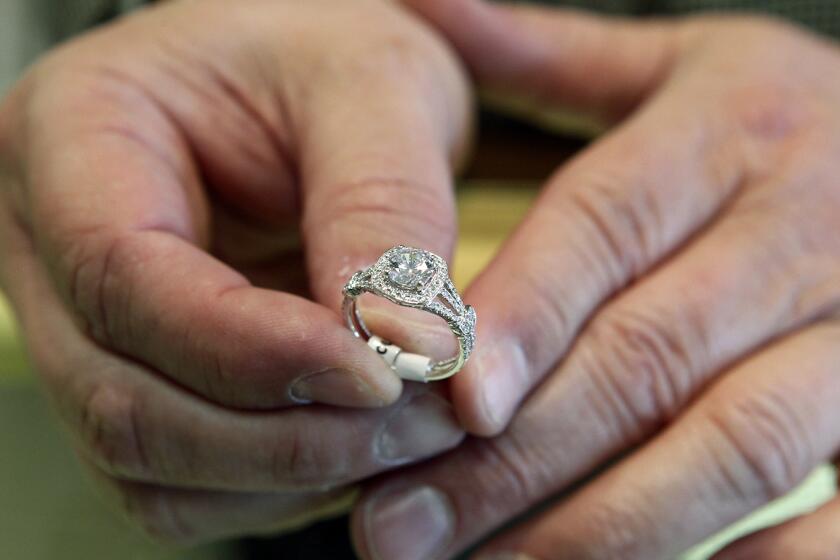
(117, 210)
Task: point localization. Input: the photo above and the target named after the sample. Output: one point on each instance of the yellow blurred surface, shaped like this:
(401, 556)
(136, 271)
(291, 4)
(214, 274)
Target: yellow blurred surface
(48, 511)
(12, 357)
(487, 212)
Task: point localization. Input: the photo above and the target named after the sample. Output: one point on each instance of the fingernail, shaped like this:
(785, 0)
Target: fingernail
(336, 387)
(409, 525)
(501, 368)
(423, 426)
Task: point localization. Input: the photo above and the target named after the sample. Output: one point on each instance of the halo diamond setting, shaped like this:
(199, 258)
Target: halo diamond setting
(403, 275)
(416, 278)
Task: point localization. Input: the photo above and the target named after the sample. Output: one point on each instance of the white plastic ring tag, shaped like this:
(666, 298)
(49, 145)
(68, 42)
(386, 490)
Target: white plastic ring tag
(408, 366)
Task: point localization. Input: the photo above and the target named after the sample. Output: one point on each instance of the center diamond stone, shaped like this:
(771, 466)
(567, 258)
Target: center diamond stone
(409, 268)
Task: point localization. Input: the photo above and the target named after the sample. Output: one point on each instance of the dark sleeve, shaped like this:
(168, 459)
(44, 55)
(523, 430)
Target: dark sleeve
(820, 15)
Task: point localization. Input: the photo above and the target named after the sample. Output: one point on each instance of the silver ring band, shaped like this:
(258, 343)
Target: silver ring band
(419, 279)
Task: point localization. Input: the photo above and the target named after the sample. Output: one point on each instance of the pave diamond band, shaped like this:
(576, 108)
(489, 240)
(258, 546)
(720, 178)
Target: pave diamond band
(420, 279)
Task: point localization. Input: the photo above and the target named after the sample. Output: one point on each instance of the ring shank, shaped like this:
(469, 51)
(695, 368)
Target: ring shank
(436, 370)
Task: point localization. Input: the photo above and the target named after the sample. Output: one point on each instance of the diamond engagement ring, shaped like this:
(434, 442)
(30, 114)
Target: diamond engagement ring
(412, 278)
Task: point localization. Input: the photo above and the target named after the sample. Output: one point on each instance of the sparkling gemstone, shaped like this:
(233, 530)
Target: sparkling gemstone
(409, 268)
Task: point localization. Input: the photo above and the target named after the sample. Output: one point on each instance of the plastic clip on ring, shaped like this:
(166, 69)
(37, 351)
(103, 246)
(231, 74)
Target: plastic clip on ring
(412, 367)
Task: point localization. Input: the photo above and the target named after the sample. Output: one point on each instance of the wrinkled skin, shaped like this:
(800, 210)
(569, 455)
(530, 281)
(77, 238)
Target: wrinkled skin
(669, 304)
(156, 176)
(664, 324)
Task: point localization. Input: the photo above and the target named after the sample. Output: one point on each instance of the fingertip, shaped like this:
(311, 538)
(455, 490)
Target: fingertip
(387, 386)
(347, 388)
(467, 395)
(373, 382)
(333, 366)
(404, 522)
(487, 392)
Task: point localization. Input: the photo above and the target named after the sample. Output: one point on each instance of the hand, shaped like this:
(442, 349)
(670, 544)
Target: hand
(154, 175)
(666, 314)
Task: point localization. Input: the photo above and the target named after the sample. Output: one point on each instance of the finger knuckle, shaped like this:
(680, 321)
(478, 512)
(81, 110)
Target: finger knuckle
(101, 264)
(554, 322)
(507, 465)
(620, 218)
(300, 460)
(158, 515)
(645, 360)
(86, 281)
(94, 257)
(392, 55)
(400, 207)
(111, 425)
(769, 112)
(785, 239)
(770, 446)
(391, 49)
